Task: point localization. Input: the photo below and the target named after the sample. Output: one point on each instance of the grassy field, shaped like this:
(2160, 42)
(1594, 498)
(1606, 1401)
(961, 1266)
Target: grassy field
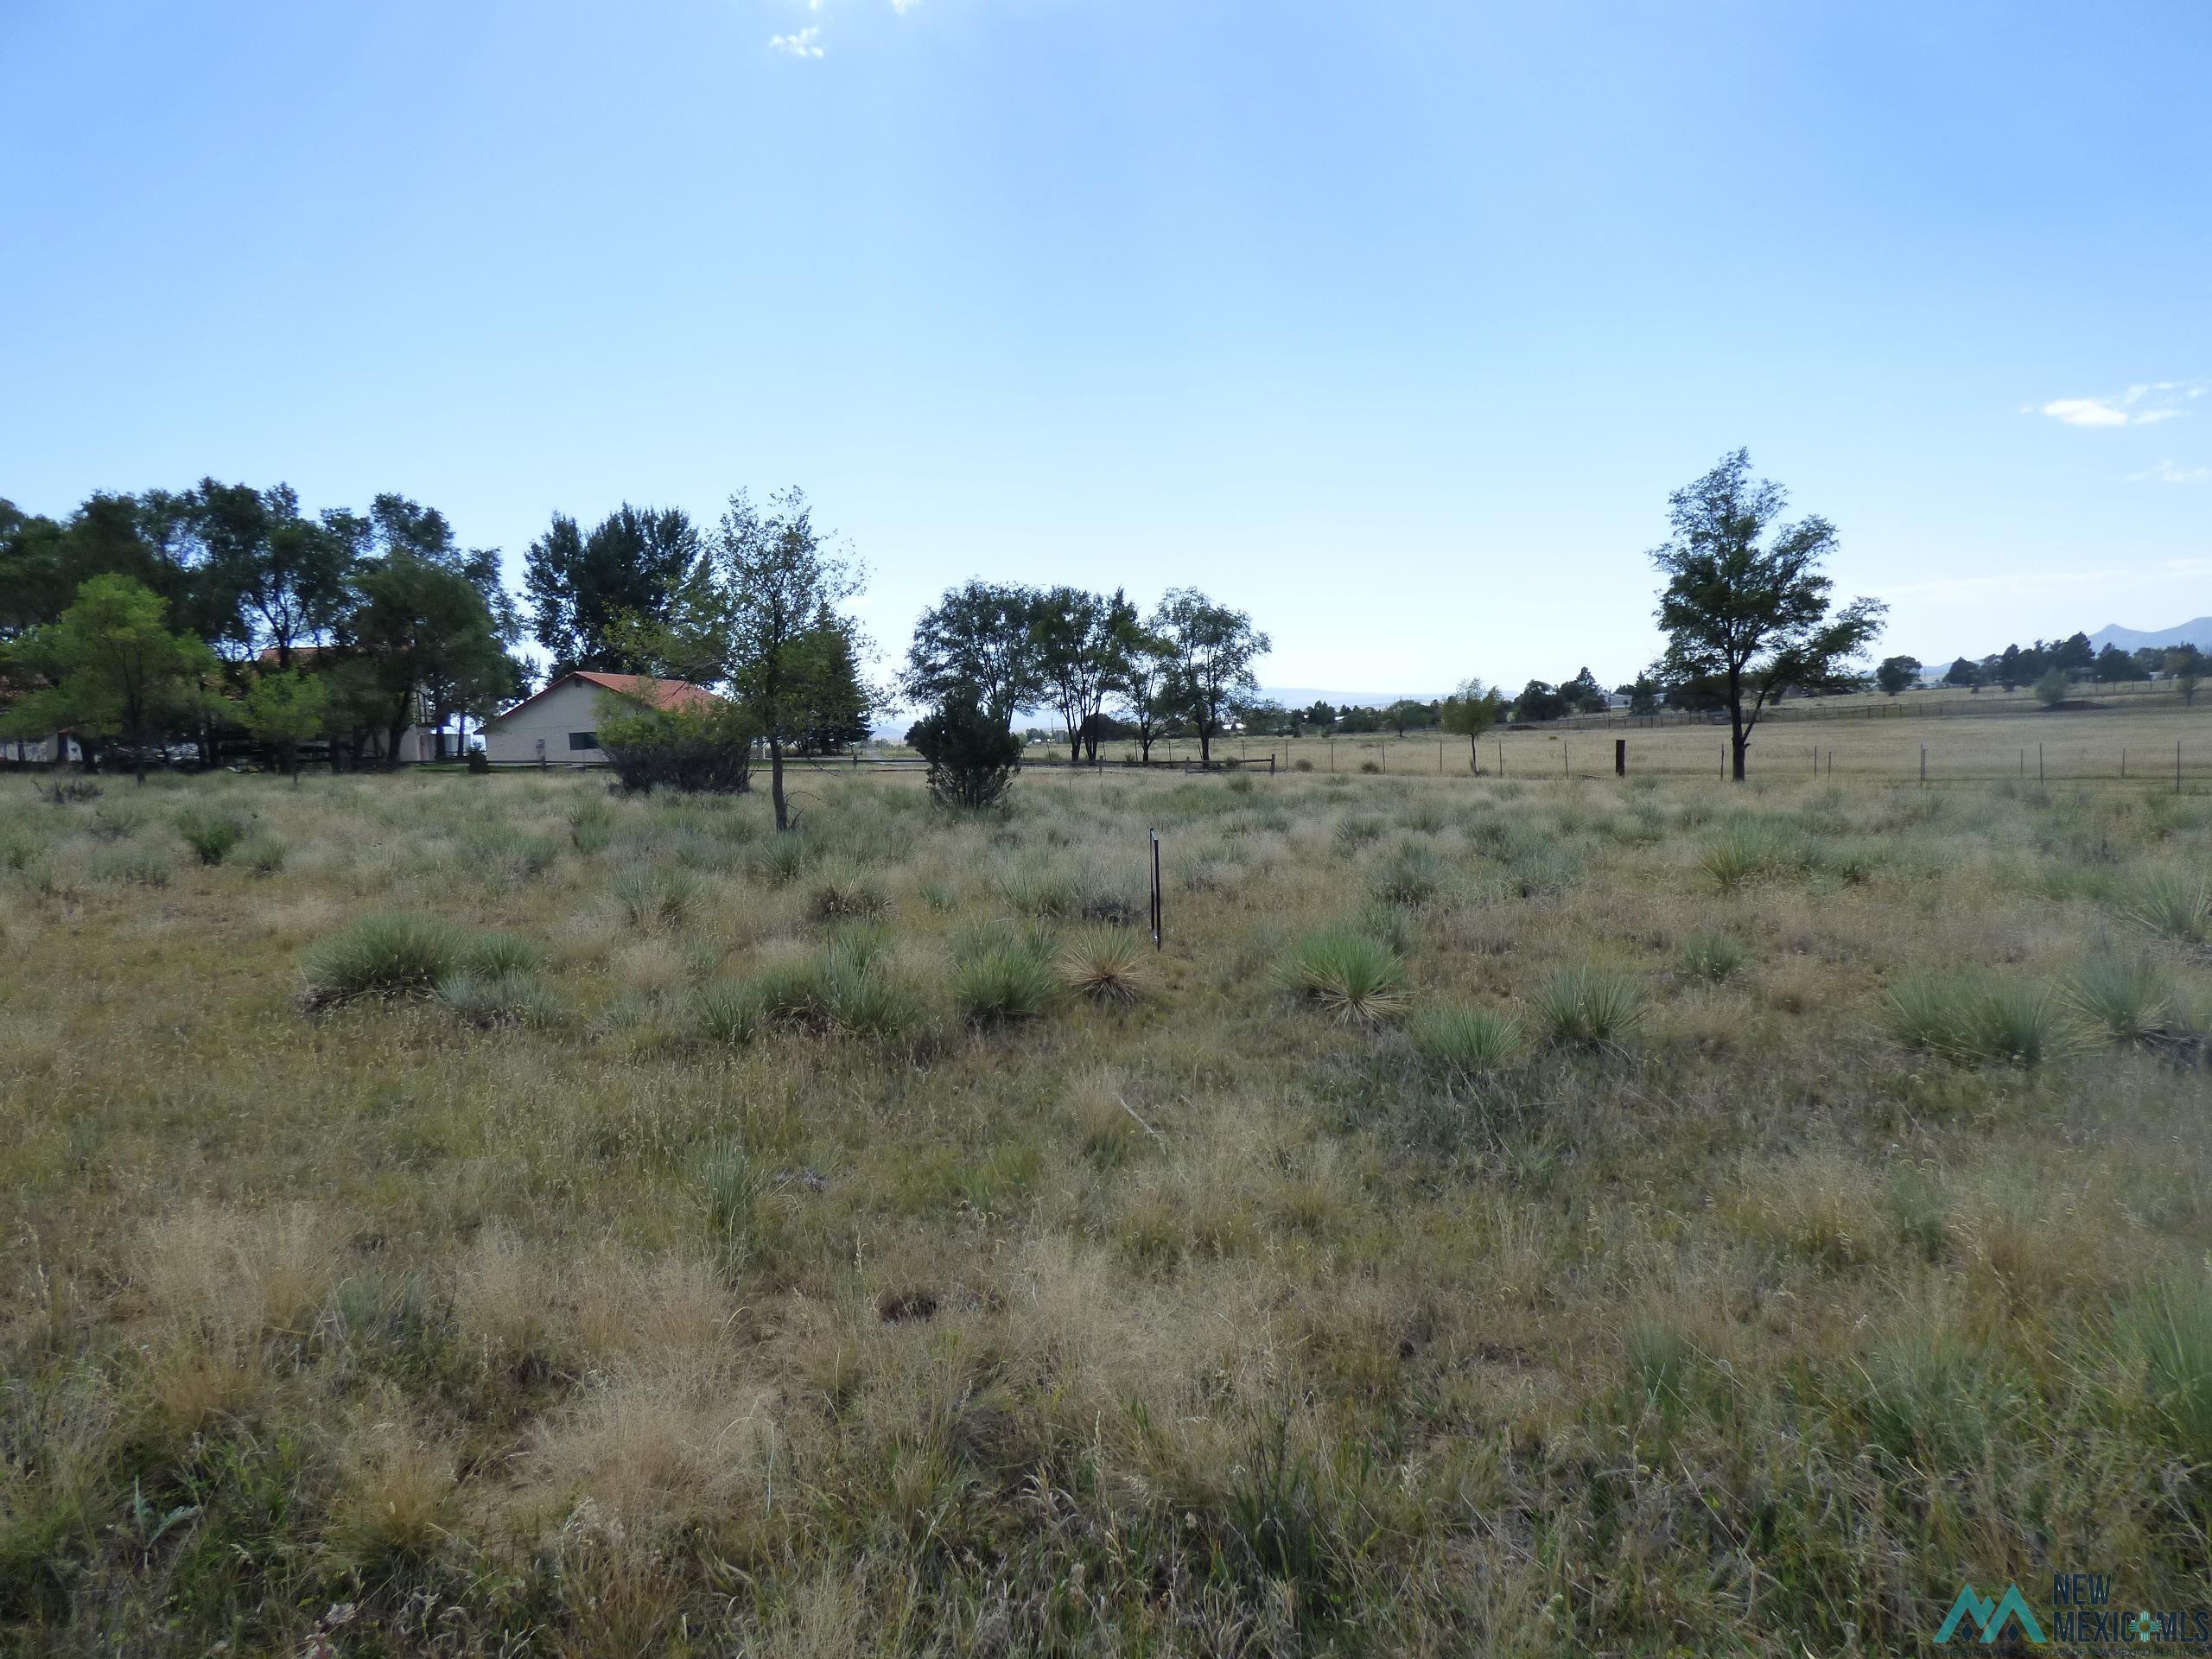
(2128, 739)
(456, 1215)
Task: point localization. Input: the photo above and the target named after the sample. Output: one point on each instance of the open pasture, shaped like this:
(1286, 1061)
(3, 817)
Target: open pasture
(2131, 741)
(479, 1215)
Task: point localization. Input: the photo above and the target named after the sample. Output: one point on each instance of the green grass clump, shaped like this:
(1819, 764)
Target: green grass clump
(1745, 850)
(2172, 903)
(1589, 1008)
(1357, 830)
(137, 867)
(1003, 982)
(648, 897)
(1411, 877)
(263, 854)
(731, 1016)
(1974, 1018)
(1107, 964)
(2125, 1001)
(512, 998)
(1713, 957)
(1348, 975)
(404, 955)
(849, 987)
(846, 895)
(210, 835)
(778, 859)
(1465, 1042)
(2170, 1326)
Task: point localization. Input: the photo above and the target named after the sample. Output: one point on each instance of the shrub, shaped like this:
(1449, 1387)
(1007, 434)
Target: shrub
(1301, 764)
(1968, 1017)
(972, 759)
(1370, 767)
(1589, 1008)
(1107, 965)
(1713, 957)
(1004, 981)
(1465, 1041)
(117, 821)
(2127, 1000)
(1349, 974)
(210, 836)
(703, 750)
(2172, 903)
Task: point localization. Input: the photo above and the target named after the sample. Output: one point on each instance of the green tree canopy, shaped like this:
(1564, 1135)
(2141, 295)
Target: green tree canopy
(584, 588)
(111, 667)
(1746, 603)
(978, 642)
(1212, 650)
(1469, 712)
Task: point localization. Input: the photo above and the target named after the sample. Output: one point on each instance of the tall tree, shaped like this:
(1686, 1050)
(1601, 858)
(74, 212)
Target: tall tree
(1469, 712)
(283, 710)
(1962, 673)
(1753, 617)
(279, 578)
(1079, 638)
(976, 643)
(762, 616)
(2186, 665)
(1143, 682)
(425, 644)
(583, 588)
(2011, 671)
(113, 668)
(1893, 674)
(1213, 649)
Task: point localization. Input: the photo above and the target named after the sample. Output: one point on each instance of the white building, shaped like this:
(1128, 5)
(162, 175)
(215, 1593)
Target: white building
(558, 726)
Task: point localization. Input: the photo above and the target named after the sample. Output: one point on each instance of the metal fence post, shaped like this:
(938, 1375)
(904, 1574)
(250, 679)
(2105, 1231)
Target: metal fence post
(1155, 889)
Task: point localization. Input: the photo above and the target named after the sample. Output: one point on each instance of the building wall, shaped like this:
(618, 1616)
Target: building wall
(555, 719)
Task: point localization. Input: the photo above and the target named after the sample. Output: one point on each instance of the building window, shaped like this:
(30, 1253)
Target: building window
(583, 740)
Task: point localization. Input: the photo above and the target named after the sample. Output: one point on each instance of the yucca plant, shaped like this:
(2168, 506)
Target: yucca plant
(1974, 1018)
(210, 836)
(383, 955)
(1714, 957)
(1744, 850)
(778, 859)
(1589, 1008)
(655, 898)
(2125, 1001)
(1348, 975)
(844, 894)
(1003, 982)
(2173, 904)
(497, 999)
(1466, 1042)
(1411, 877)
(1107, 964)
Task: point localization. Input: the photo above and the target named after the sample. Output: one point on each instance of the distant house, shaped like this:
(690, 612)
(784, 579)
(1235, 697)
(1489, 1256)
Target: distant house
(559, 725)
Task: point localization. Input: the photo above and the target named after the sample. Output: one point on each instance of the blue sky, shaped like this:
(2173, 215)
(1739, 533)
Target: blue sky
(1392, 324)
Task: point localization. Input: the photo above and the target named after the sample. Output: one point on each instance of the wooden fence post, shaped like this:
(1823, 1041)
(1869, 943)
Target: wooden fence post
(1620, 757)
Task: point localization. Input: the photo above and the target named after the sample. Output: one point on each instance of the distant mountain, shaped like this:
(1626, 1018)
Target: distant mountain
(2198, 633)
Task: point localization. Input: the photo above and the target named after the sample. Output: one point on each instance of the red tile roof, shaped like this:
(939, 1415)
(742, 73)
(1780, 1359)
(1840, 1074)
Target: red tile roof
(665, 693)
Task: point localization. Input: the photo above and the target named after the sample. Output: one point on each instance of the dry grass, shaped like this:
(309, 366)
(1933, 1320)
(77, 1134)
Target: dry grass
(762, 1295)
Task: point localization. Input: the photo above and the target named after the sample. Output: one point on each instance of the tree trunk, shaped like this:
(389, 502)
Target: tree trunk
(776, 783)
(1205, 748)
(1075, 745)
(1475, 756)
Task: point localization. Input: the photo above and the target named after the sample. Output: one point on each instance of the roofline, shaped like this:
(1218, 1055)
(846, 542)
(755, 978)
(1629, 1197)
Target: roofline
(579, 674)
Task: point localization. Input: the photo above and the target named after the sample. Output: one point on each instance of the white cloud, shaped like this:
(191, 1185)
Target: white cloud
(2173, 471)
(2144, 403)
(902, 7)
(807, 43)
(2085, 411)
